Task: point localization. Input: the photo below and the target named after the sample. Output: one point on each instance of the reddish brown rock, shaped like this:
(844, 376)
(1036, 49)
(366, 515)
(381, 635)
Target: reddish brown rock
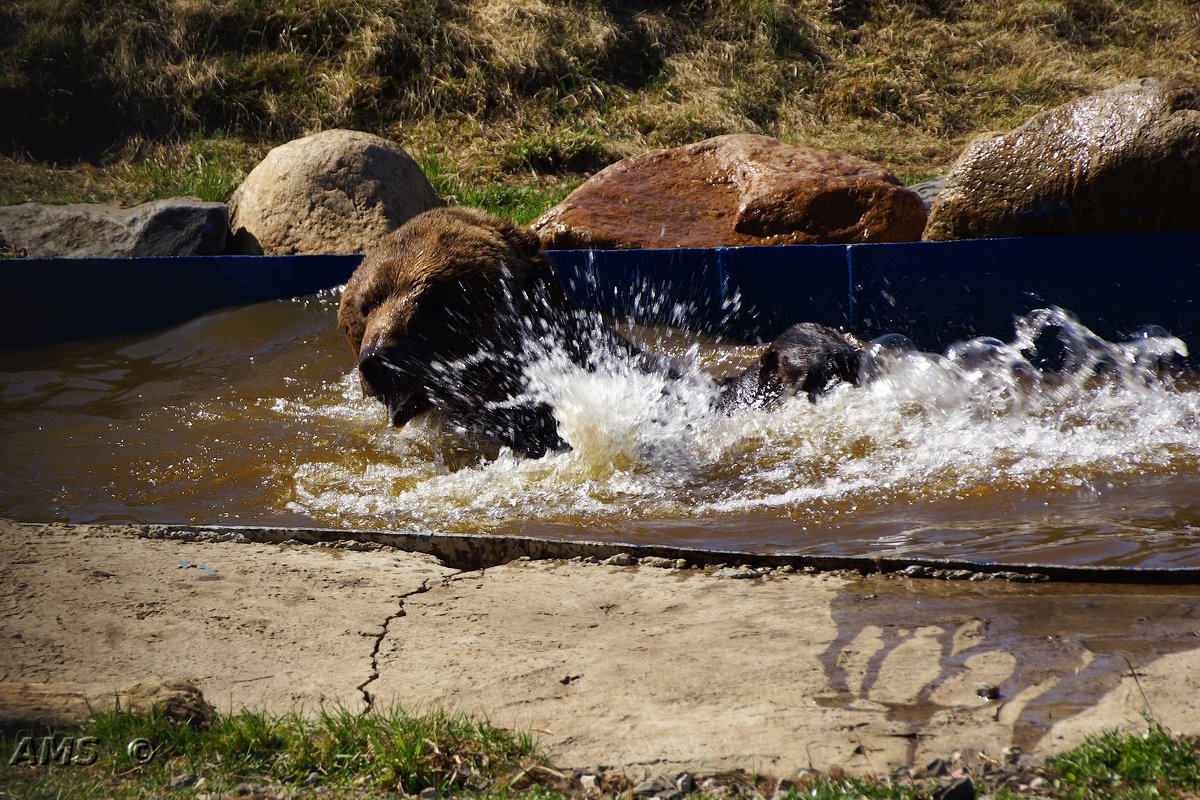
(734, 190)
(1120, 161)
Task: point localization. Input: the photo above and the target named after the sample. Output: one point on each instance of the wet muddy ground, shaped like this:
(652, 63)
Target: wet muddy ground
(643, 668)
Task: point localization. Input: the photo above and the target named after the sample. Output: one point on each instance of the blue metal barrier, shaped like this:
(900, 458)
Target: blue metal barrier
(46, 300)
(746, 292)
(937, 292)
(933, 292)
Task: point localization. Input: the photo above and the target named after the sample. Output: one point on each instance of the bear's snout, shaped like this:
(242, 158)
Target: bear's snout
(385, 380)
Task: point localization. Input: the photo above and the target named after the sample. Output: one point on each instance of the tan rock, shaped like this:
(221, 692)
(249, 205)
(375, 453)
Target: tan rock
(73, 703)
(734, 190)
(1124, 160)
(334, 192)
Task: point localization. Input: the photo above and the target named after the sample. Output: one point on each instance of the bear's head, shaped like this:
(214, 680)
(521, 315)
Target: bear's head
(810, 358)
(440, 313)
(807, 357)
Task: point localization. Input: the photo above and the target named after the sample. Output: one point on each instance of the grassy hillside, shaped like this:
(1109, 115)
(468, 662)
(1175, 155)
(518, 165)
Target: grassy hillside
(509, 103)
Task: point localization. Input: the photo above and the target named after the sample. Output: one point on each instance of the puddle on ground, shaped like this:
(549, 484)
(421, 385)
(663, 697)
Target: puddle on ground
(1048, 651)
(254, 416)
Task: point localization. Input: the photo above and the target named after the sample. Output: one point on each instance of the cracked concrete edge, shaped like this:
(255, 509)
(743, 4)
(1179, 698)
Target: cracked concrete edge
(480, 550)
(393, 605)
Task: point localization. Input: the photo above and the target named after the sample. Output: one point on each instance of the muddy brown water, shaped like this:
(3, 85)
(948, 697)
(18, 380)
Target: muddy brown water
(253, 416)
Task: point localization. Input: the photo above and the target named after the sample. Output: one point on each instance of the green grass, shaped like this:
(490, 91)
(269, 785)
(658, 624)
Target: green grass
(336, 750)
(522, 203)
(1152, 765)
(827, 788)
(205, 168)
(209, 168)
(522, 97)
(340, 754)
(561, 151)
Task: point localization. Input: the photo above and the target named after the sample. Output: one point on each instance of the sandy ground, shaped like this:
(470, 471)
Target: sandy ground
(639, 668)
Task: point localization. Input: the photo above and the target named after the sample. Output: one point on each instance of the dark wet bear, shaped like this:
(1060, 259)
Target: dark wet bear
(441, 314)
(807, 357)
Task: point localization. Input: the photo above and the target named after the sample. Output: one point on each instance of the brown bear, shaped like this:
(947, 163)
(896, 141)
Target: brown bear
(442, 314)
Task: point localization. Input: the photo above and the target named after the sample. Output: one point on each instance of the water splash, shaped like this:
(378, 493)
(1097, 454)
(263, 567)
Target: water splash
(1050, 444)
(1049, 412)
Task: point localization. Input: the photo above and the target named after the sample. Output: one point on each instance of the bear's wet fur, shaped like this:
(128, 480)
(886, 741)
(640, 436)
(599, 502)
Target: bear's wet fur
(807, 357)
(440, 314)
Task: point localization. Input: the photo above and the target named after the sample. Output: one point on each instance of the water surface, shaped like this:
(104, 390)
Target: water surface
(254, 416)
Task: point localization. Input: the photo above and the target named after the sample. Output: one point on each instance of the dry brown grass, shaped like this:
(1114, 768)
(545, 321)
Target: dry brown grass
(531, 91)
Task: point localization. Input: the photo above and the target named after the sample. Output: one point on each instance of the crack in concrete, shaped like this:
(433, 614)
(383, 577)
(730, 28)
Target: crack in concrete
(368, 698)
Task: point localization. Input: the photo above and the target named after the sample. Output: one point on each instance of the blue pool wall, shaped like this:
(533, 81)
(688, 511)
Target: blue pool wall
(933, 292)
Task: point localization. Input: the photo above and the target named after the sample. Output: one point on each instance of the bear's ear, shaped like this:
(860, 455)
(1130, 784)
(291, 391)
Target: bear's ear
(520, 237)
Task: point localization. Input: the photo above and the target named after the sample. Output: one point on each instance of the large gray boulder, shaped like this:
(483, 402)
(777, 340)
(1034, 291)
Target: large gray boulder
(740, 189)
(337, 191)
(1123, 160)
(178, 226)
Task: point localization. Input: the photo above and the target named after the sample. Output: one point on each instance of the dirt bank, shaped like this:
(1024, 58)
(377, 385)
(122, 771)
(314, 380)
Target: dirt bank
(641, 668)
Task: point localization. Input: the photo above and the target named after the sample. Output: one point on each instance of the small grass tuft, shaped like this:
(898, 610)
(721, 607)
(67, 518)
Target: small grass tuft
(570, 150)
(1151, 765)
(825, 787)
(209, 169)
(521, 203)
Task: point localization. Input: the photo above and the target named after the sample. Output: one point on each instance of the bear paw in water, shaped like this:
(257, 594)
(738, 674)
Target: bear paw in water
(442, 313)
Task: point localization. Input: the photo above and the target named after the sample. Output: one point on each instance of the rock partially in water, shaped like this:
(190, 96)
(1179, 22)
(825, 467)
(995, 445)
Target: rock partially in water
(177, 226)
(337, 191)
(1120, 161)
(734, 190)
